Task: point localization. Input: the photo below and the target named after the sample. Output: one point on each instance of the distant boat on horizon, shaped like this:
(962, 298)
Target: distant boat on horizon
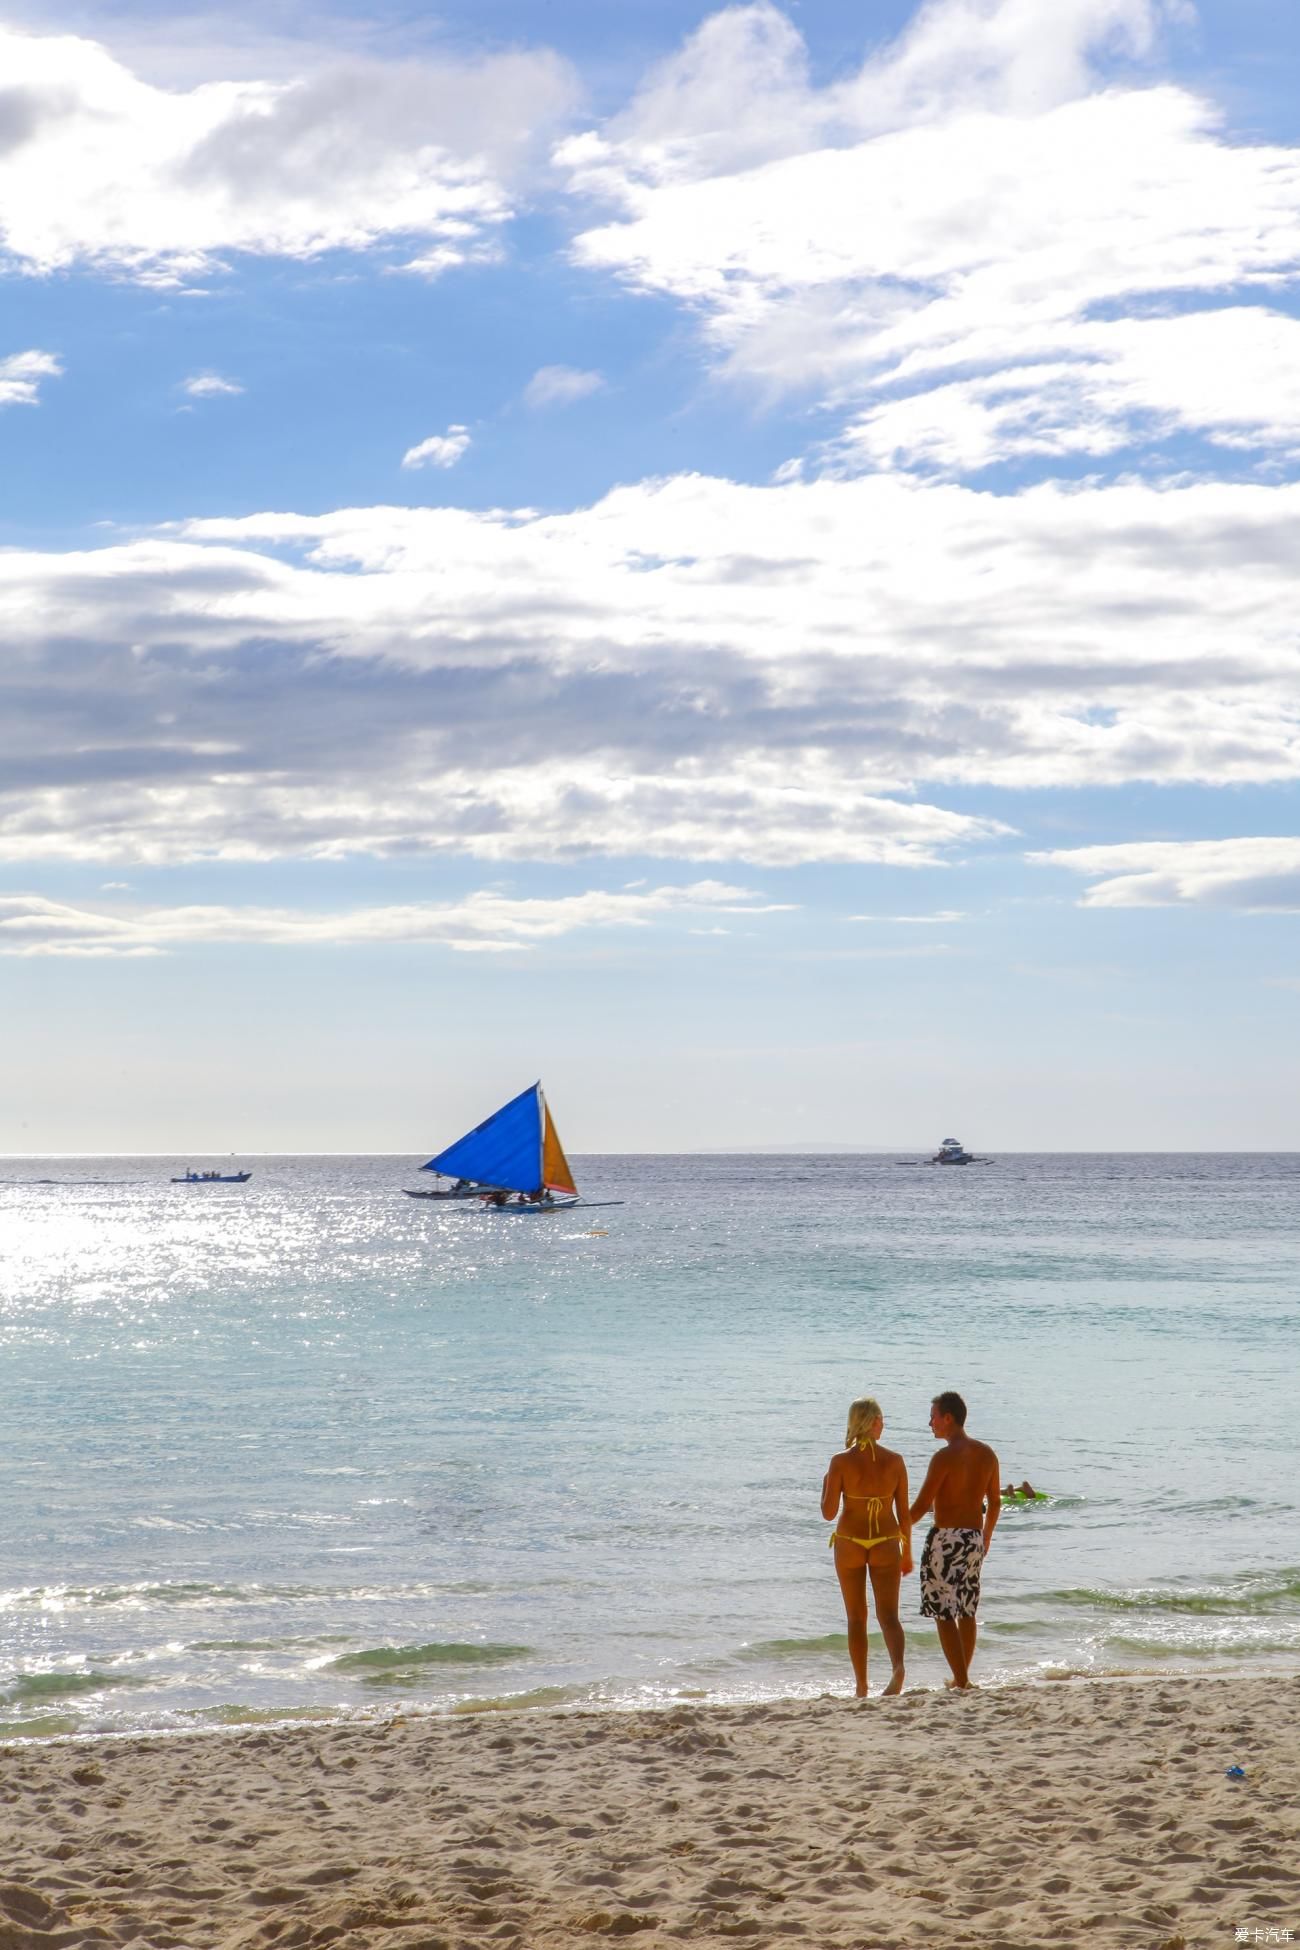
(513, 1162)
(953, 1152)
(213, 1178)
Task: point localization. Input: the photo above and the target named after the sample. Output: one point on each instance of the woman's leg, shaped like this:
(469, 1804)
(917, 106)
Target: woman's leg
(885, 1580)
(853, 1584)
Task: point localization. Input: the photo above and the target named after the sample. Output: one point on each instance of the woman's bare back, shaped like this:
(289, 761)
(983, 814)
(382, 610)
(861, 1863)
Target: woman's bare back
(867, 1482)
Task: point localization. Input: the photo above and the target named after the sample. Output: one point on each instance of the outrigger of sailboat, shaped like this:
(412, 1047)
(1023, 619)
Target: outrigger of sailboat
(214, 1178)
(516, 1150)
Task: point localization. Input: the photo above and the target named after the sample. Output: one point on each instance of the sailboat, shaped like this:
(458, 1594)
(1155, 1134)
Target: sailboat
(515, 1151)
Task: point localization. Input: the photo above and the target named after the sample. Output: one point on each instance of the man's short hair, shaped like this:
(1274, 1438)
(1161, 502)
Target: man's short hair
(951, 1403)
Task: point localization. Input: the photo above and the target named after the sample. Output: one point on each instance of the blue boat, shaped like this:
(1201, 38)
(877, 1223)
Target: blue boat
(513, 1162)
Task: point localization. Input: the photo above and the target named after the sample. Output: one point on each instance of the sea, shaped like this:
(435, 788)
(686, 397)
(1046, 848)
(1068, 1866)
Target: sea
(308, 1448)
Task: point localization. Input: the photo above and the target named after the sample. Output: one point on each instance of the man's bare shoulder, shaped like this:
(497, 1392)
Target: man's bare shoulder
(981, 1453)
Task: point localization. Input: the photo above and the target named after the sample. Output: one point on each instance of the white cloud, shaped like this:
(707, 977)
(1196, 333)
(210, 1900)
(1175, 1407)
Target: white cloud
(561, 386)
(99, 166)
(980, 246)
(1256, 875)
(488, 922)
(21, 374)
(439, 450)
(1232, 375)
(210, 385)
(738, 94)
(942, 918)
(448, 256)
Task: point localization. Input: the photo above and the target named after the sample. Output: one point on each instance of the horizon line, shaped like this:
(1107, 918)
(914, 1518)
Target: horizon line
(808, 1150)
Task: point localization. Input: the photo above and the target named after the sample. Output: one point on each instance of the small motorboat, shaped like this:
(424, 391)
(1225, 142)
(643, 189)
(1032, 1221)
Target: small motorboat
(213, 1178)
(953, 1152)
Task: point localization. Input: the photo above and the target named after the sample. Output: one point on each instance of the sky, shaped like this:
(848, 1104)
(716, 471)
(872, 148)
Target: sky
(741, 560)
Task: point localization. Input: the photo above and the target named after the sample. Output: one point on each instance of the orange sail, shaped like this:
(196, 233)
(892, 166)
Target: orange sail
(556, 1175)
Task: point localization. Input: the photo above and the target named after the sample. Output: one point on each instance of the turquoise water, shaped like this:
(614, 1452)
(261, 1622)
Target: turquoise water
(308, 1446)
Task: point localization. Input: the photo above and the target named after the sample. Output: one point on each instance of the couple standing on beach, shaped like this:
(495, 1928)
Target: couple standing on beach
(865, 1495)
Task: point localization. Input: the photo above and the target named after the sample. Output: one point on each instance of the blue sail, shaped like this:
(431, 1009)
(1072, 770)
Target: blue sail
(505, 1150)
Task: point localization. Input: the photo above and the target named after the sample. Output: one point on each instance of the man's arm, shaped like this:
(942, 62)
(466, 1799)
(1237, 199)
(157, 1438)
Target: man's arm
(925, 1501)
(831, 1487)
(993, 1499)
(904, 1516)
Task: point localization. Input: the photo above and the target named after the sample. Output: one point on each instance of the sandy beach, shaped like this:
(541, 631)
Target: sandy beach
(1078, 1813)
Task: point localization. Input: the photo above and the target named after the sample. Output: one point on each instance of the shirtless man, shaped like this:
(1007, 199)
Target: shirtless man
(963, 1487)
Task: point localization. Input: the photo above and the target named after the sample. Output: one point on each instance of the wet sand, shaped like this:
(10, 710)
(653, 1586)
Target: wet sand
(1093, 1813)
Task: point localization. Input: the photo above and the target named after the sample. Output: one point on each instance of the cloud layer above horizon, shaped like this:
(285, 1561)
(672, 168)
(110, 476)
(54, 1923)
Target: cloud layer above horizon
(688, 669)
(485, 922)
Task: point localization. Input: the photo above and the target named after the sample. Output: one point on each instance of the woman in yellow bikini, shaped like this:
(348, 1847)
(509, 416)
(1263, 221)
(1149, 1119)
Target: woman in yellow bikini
(865, 1496)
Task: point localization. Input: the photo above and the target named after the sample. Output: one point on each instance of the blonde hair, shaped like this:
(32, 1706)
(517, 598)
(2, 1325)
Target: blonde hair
(862, 1415)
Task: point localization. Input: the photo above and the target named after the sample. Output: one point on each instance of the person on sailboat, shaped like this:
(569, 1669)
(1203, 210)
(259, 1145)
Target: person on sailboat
(864, 1494)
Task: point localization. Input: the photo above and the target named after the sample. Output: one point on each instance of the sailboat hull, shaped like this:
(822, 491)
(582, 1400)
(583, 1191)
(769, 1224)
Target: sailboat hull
(560, 1205)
